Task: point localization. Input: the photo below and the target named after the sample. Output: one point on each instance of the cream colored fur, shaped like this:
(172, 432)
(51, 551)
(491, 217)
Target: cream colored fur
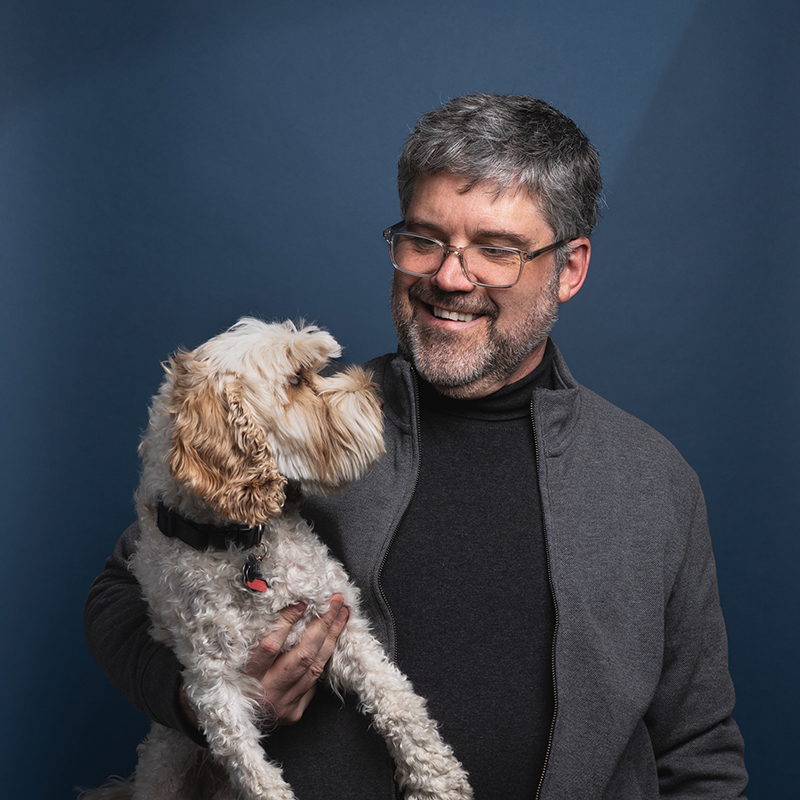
(233, 422)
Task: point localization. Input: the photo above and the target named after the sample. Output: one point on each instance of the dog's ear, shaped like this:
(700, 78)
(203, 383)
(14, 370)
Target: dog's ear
(218, 451)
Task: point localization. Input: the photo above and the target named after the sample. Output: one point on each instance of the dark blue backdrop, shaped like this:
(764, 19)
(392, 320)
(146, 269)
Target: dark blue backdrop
(166, 167)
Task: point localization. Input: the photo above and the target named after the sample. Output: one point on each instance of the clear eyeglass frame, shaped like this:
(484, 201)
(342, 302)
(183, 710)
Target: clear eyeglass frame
(391, 234)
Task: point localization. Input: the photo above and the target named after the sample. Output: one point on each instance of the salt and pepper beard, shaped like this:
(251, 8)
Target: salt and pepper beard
(441, 357)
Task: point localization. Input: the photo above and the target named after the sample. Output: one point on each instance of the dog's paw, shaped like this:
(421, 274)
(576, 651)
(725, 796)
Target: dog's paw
(462, 793)
(454, 786)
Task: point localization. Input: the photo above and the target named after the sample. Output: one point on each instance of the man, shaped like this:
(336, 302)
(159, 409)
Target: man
(536, 561)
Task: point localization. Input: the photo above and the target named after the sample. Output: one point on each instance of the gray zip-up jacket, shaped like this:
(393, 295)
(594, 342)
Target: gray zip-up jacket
(643, 693)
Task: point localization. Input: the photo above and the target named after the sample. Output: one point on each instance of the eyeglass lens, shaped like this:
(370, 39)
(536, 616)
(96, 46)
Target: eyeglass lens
(495, 266)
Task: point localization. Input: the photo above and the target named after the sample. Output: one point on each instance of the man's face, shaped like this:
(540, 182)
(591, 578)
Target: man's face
(467, 340)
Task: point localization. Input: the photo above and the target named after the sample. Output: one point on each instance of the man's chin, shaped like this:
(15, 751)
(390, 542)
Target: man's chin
(459, 362)
(449, 365)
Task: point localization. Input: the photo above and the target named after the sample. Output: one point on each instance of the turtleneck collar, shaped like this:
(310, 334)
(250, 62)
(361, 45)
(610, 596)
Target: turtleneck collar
(509, 402)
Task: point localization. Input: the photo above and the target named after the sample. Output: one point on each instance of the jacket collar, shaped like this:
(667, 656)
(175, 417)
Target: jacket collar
(556, 411)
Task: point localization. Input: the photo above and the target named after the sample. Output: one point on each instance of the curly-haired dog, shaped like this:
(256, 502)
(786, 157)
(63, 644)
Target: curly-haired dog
(237, 423)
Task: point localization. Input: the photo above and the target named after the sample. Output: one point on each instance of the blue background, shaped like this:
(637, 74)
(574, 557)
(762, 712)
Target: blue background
(166, 167)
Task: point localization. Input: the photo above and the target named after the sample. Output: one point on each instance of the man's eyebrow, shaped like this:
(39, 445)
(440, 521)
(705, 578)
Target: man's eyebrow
(422, 224)
(500, 237)
(505, 237)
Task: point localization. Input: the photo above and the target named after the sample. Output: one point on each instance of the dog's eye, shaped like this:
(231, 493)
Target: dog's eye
(295, 380)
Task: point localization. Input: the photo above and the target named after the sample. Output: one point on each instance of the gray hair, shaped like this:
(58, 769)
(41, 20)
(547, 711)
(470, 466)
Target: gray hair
(517, 143)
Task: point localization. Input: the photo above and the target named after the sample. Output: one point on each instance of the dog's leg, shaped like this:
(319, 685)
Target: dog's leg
(426, 768)
(166, 759)
(228, 720)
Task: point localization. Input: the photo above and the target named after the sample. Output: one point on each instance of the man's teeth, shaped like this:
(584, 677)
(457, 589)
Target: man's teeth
(458, 316)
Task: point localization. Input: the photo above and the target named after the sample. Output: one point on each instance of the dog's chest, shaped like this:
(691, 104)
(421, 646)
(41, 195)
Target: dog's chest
(300, 567)
(189, 589)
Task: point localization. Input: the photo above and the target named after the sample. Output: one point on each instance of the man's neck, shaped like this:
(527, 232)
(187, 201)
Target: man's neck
(489, 384)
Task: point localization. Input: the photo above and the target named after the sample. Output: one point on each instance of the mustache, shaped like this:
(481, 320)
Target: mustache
(433, 296)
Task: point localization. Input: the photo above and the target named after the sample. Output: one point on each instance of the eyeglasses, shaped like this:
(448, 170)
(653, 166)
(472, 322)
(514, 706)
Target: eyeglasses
(487, 265)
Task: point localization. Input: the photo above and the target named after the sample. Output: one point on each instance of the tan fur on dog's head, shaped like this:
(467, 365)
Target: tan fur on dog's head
(217, 451)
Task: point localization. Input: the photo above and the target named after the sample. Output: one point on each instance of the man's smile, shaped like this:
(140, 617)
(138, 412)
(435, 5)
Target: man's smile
(456, 316)
(449, 307)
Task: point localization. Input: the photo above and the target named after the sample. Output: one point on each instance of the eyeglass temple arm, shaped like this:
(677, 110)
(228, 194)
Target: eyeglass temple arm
(529, 256)
(387, 234)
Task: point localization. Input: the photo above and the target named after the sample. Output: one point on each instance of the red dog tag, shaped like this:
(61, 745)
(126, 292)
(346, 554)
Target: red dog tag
(256, 573)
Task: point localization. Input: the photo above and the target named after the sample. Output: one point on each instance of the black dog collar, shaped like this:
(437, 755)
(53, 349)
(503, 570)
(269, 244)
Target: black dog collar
(203, 537)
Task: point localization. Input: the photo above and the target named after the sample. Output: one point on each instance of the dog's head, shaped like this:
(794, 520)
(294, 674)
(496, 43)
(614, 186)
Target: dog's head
(248, 410)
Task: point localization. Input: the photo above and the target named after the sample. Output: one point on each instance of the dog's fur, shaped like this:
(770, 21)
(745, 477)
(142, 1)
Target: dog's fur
(236, 424)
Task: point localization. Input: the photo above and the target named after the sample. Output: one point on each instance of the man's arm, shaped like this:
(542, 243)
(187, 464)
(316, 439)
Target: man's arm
(147, 672)
(699, 750)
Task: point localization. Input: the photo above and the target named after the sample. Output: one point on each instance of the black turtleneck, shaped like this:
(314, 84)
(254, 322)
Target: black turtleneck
(466, 579)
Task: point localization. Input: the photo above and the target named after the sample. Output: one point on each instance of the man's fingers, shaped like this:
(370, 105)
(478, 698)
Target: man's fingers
(263, 657)
(309, 656)
(306, 662)
(336, 627)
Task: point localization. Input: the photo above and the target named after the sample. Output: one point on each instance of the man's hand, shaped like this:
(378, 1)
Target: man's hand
(289, 679)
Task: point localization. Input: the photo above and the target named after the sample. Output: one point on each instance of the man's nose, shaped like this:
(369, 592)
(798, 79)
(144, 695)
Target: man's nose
(451, 277)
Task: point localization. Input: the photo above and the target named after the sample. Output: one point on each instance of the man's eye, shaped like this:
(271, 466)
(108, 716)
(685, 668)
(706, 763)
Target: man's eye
(497, 253)
(424, 245)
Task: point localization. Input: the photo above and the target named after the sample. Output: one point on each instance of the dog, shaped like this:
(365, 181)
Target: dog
(240, 428)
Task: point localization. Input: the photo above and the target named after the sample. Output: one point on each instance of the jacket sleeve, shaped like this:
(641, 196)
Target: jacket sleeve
(117, 628)
(699, 750)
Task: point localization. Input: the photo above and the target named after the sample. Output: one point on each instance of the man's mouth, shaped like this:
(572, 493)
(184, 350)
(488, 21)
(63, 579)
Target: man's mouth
(457, 316)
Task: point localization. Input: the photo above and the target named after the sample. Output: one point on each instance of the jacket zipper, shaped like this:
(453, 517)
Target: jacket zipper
(555, 607)
(400, 522)
(395, 788)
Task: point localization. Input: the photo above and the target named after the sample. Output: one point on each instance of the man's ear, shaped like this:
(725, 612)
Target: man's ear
(574, 273)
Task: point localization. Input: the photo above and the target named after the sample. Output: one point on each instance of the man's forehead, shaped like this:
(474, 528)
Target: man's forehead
(491, 190)
(493, 186)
